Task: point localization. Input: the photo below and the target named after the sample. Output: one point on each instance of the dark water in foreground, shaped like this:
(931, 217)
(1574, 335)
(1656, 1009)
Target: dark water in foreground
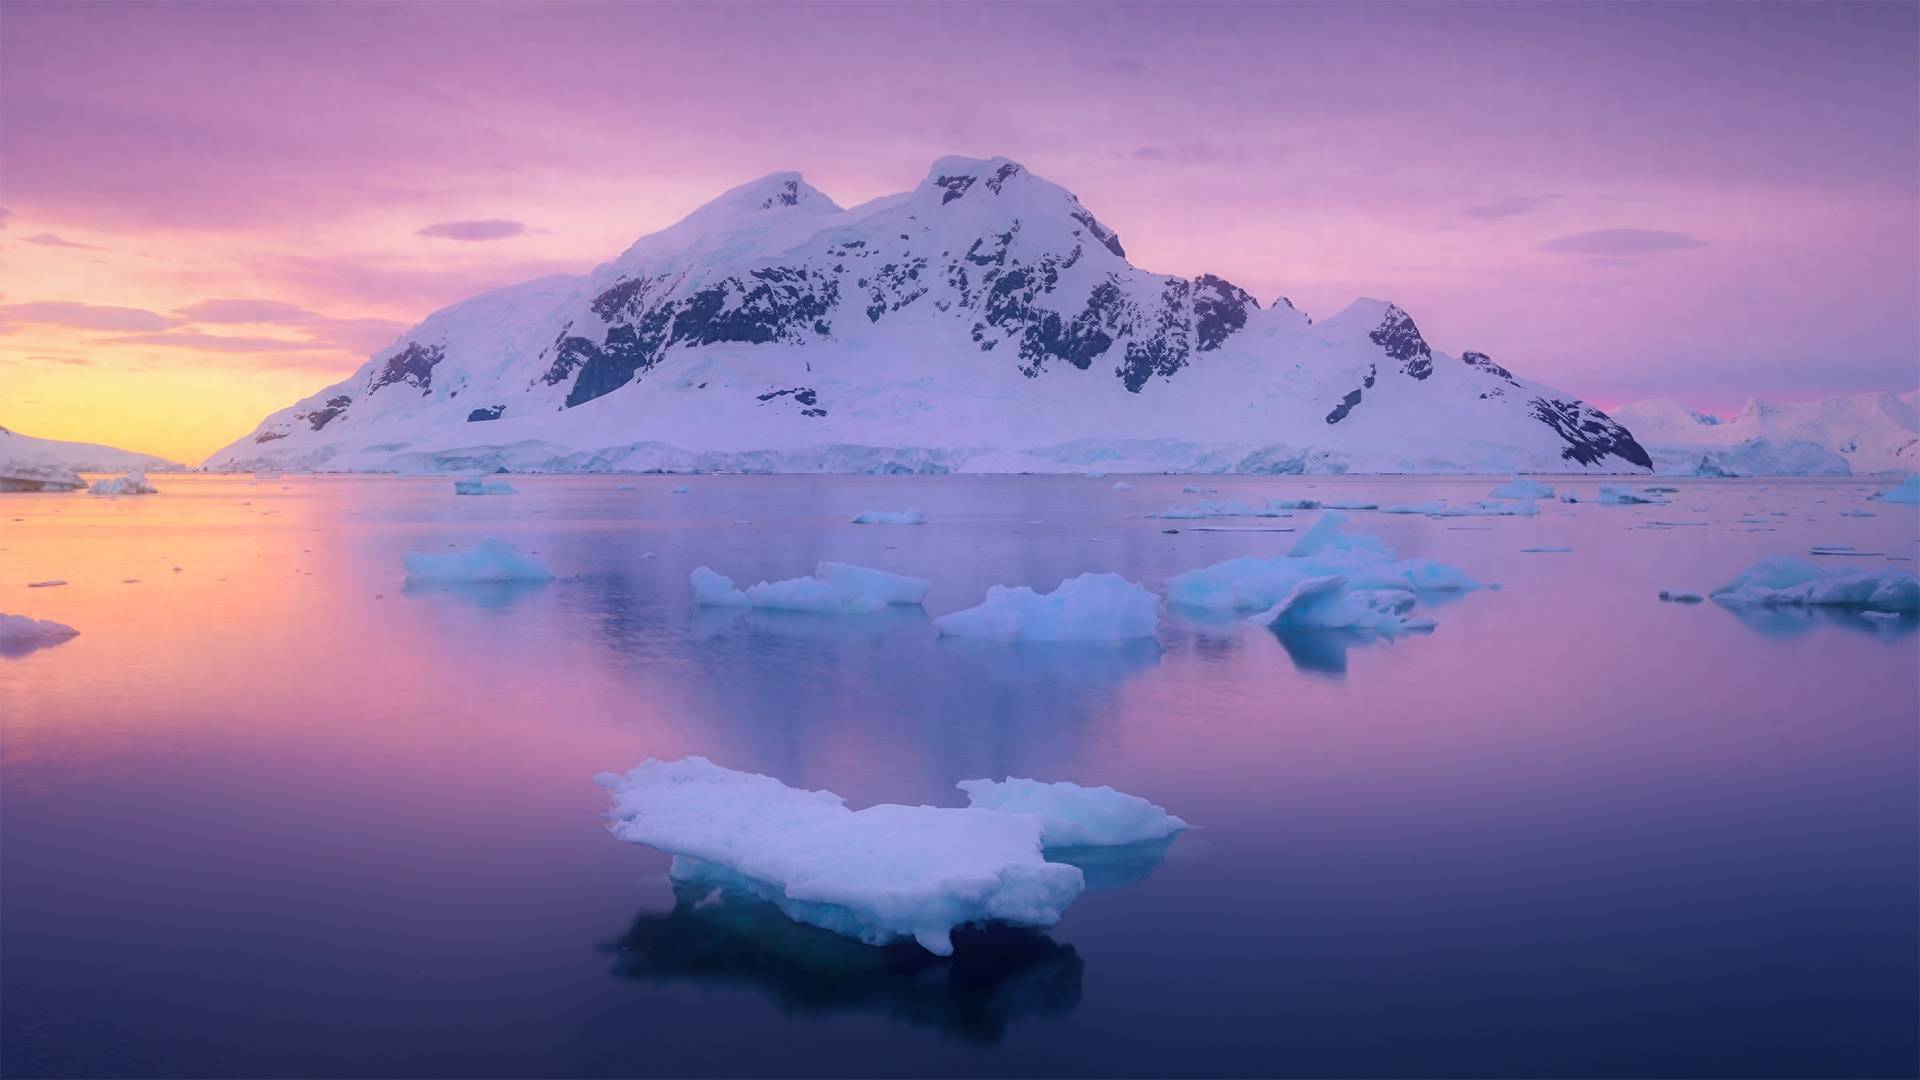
(270, 814)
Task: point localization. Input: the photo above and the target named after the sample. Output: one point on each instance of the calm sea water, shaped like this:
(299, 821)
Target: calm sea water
(272, 814)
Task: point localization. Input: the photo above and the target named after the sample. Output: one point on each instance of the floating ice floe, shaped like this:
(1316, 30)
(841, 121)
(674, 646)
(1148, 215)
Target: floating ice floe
(23, 630)
(1329, 580)
(484, 485)
(1906, 491)
(1482, 508)
(1616, 495)
(1522, 488)
(1858, 513)
(834, 588)
(1789, 579)
(1122, 485)
(1091, 607)
(492, 560)
(679, 489)
(882, 874)
(133, 483)
(909, 516)
(1348, 504)
(1193, 489)
(1293, 504)
(1075, 816)
(1544, 549)
(1217, 508)
(1678, 596)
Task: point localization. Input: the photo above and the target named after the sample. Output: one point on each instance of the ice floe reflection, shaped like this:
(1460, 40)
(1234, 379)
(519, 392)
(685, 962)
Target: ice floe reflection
(719, 938)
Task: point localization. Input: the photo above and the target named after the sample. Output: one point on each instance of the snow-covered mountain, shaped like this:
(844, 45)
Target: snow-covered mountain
(985, 321)
(30, 464)
(1869, 433)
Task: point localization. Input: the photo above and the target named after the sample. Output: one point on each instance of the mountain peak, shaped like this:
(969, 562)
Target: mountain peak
(775, 192)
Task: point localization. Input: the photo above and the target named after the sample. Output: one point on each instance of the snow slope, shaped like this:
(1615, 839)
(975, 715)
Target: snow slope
(1871, 433)
(984, 321)
(33, 464)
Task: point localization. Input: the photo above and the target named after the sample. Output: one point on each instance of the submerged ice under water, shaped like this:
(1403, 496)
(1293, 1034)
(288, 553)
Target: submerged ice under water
(273, 812)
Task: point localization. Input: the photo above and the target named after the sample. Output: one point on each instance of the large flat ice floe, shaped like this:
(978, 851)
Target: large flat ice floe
(133, 483)
(1091, 607)
(882, 874)
(834, 588)
(1075, 816)
(1330, 580)
(491, 561)
(1791, 580)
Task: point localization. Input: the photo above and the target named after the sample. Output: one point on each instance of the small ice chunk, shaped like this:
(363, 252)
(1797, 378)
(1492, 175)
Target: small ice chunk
(1091, 607)
(626, 487)
(1122, 485)
(1789, 579)
(1906, 491)
(679, 489)
(882, 874)
(1076, 816)
(909, 516)
(1677, 596)
(1545, 549)
(492, 560)
(23, 630)
(1348, 504)
(1193, 489)
(133, 483)
(1295, 504)
(1522, 488)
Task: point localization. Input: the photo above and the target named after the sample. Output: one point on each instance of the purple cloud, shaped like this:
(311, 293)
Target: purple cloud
(1618, 242)
(490, 229)
(87, 316)
(356, 335)
(47, 239)
(1505, 207)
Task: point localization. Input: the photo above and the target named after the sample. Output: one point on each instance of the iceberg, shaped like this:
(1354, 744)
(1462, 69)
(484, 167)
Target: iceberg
(1075, 816)
(1906, 491)
(1331, 580)
(24, 630)
(909, 516)
(1091, 607)
(1327, 603)
(1522, 488)
(492, 560)
(133, 483)
(1792, 580)
(485, 485)
(834, 588)
(882, 874)
(1616, 495)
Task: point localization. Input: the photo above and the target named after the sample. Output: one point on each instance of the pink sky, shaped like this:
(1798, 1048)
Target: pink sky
(214, 208)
